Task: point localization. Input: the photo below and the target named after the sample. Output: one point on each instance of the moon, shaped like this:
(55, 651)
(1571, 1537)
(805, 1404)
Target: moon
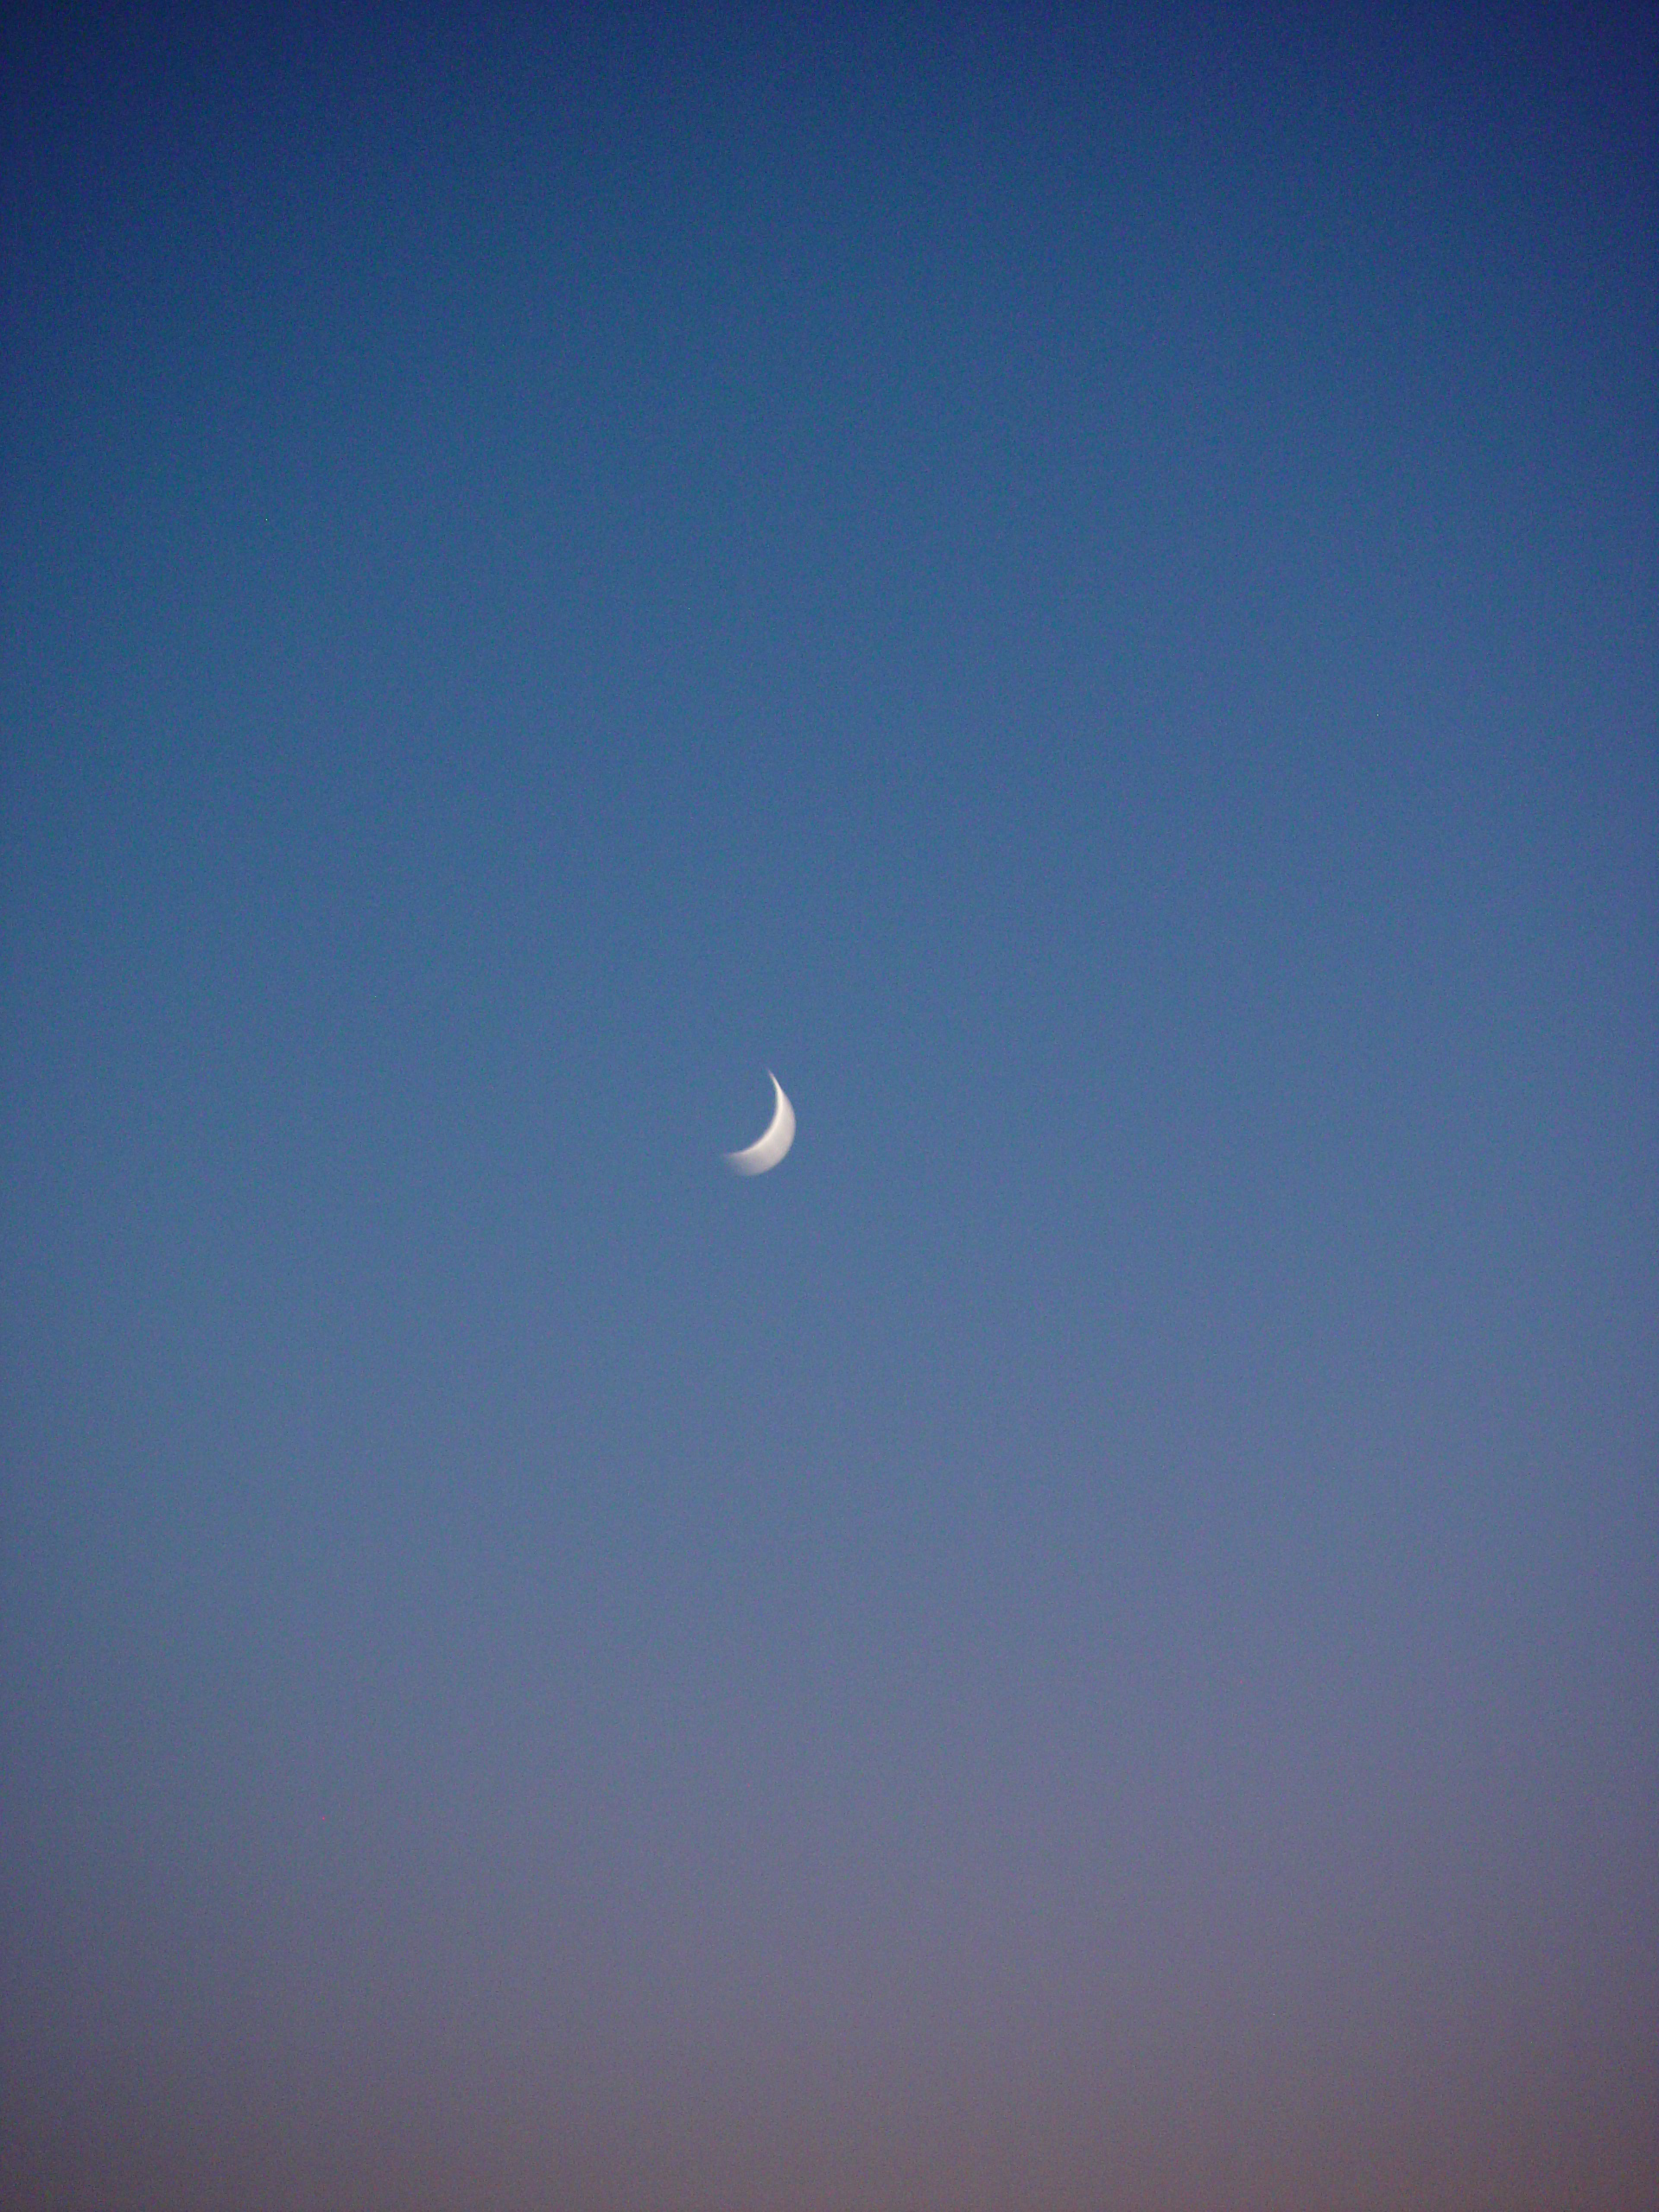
(773, 1141)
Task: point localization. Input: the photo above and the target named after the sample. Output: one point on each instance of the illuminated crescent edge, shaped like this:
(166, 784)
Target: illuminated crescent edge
(774, 1141)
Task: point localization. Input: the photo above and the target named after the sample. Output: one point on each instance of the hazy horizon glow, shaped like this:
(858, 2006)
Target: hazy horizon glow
(1082, 585)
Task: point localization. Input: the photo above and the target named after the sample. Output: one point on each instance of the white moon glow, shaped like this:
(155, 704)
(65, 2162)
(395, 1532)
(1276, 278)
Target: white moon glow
(774, 1141)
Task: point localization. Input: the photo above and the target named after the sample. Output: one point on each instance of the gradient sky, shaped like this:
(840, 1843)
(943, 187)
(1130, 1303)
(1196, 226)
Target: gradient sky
(1083, 587)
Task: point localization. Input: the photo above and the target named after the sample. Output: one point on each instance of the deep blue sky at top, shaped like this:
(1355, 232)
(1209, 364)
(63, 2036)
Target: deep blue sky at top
(1084, 588)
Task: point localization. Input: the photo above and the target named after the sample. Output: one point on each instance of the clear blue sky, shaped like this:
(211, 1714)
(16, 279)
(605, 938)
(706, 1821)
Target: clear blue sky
(1083, 587)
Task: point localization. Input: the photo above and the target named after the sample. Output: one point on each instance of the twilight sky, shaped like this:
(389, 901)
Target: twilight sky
(1083, 585)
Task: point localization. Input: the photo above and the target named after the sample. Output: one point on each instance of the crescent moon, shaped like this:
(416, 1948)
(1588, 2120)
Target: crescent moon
(774, 1141)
